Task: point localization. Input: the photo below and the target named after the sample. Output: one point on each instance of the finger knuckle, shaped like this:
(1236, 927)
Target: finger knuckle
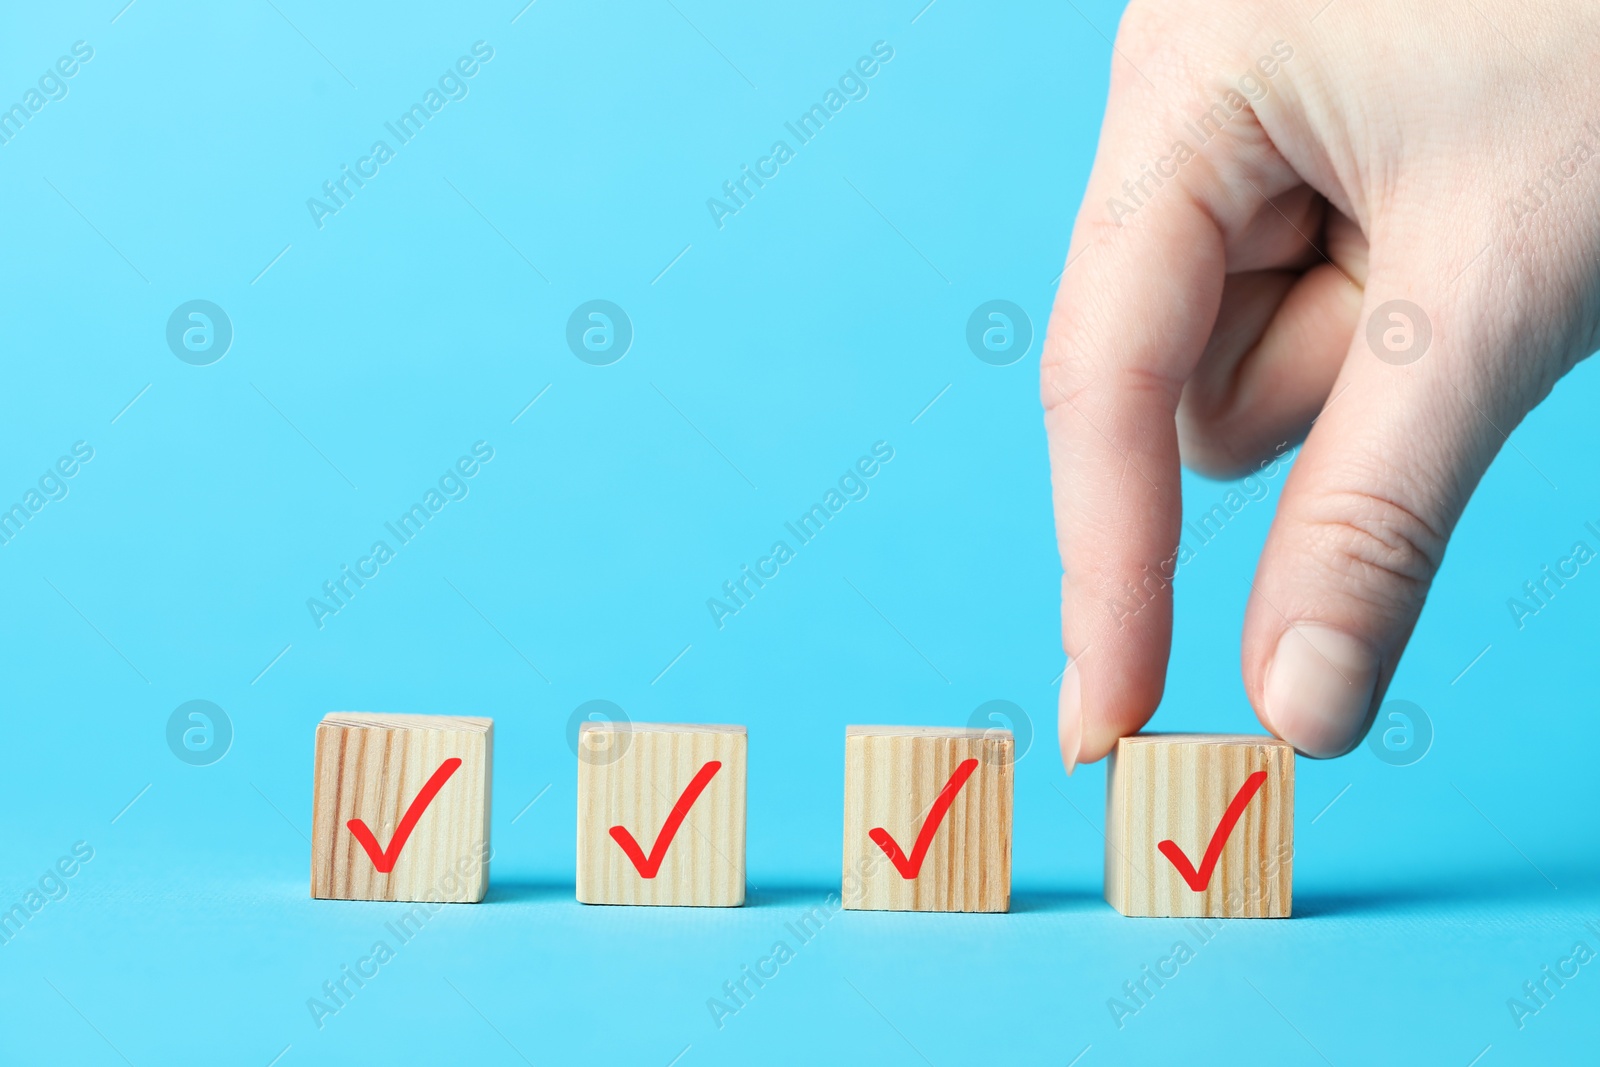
(1144, 30)
(1386, 548)
(1072, 382)
(1161, 40)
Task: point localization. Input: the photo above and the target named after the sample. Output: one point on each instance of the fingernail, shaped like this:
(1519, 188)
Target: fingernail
(1071, 721)
(1319, 689)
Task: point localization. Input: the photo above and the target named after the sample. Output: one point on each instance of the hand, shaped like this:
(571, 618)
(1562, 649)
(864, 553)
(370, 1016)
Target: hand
(1270, 180)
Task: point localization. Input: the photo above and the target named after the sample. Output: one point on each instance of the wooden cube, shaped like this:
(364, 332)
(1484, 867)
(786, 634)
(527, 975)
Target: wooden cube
(1200, 825)
(401, 808)
(661, 809)
(927, 818)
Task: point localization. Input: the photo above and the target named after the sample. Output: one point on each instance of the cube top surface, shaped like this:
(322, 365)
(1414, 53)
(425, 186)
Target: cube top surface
(369, 720)
(1201, 739)
(660, 728)
(925, 731)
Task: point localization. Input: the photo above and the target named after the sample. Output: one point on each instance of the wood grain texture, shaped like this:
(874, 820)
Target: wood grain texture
(631, 775)
(892, 777)
(371, 767)
(1177, 787)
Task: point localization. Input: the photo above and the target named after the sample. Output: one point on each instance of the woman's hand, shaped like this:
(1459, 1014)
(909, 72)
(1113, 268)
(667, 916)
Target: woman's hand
(1375, 225)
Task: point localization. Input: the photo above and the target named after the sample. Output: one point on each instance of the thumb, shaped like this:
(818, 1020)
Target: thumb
(1422, 405)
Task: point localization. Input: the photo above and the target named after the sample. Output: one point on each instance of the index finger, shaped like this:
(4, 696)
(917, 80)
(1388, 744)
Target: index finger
(1135, 307)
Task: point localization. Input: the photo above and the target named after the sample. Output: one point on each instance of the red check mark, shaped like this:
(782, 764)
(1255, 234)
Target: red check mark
(649, 866)
(909, 868)
(384, 859)
(1198, 880)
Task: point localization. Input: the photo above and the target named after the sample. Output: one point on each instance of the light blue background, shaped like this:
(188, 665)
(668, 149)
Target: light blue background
(774, 352)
